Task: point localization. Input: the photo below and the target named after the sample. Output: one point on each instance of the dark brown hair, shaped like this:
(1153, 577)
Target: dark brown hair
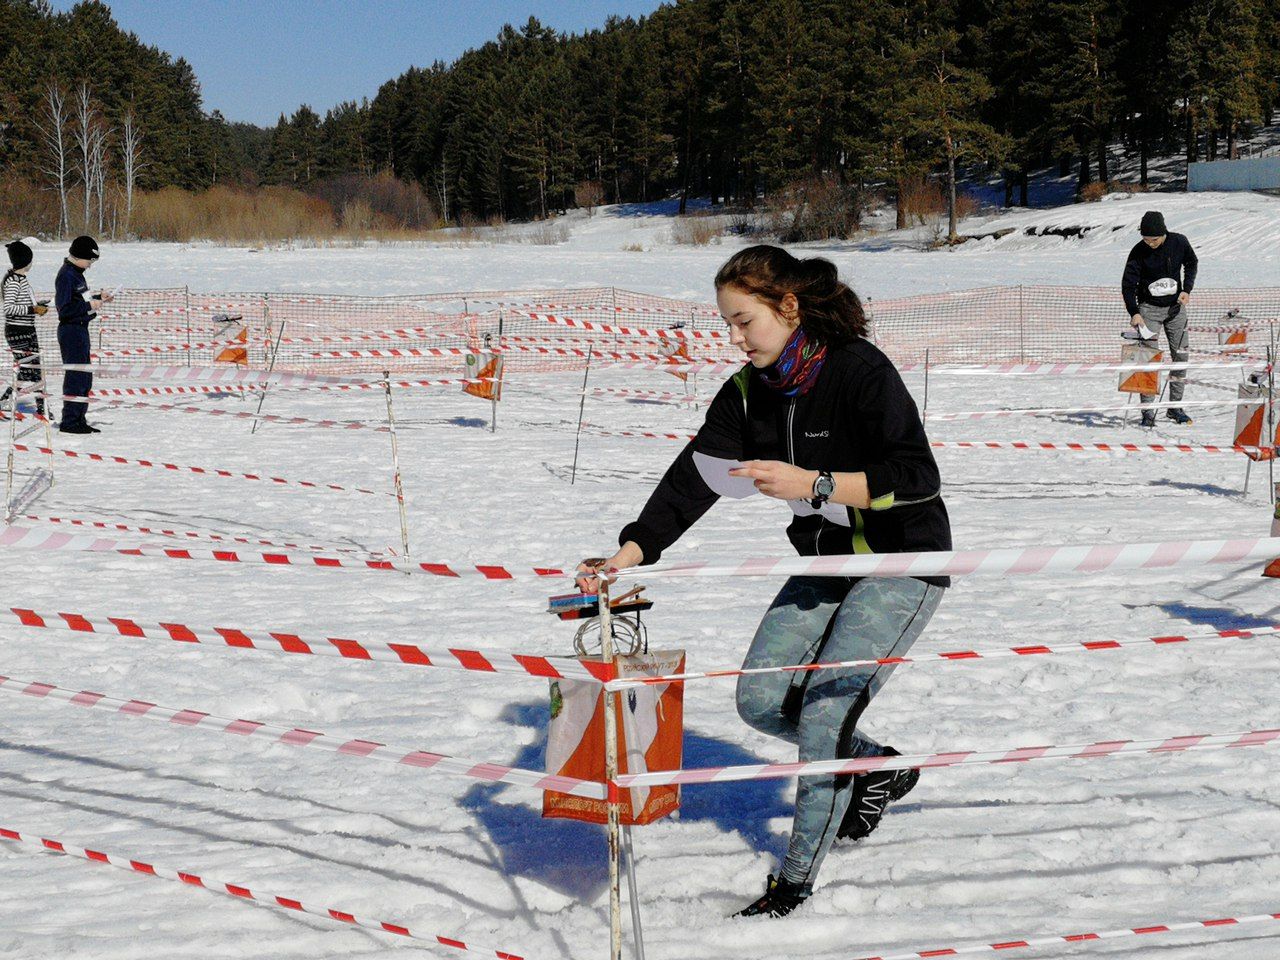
(830, 311)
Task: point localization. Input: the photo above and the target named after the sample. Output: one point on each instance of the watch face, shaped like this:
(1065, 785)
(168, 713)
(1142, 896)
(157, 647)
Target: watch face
(826, 486)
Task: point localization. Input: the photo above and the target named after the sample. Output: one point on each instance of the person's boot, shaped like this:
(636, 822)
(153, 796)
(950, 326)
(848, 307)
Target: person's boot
(77, 428)
(39, 406)
(781, 896)
(1179, 416)
(1148, 418)
(871, 796)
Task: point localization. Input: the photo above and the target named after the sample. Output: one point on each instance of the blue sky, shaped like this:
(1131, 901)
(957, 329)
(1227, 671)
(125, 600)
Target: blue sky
(257, 59)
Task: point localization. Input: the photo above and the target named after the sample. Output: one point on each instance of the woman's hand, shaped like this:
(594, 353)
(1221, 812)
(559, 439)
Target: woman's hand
(774, 478)
(105, 297)
(628, 555)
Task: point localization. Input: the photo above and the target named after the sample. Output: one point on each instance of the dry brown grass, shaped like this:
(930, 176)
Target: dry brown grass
(229, 215)
(697, 230)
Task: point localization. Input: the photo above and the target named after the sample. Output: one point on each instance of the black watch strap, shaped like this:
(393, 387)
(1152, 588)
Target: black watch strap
(824, 485)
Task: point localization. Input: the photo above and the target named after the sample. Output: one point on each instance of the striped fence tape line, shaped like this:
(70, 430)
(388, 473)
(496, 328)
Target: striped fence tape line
(106, 313)
(288, 642)
(298, 737)
(679, 333)
(931, 415)
(1062, 369)
(1085, 558)
(223, 373)
(958, 656)
(276, 418)
(28, 538)
(1076, 447)
(242, 892)
(1022, 445)
(602, 356)
(193, 535)
(1079, 751)
(1222, 923)
(694, 309)
(201, 471)
(172, 348)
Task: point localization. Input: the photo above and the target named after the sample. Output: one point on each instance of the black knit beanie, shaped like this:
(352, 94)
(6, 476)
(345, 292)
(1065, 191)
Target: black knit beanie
(1153, 224)
(19, 254)
(84, 248)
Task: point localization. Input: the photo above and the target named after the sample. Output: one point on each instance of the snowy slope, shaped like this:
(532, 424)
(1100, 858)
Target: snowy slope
(990, 852)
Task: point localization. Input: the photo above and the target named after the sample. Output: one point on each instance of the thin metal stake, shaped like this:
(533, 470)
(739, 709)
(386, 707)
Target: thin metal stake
(275, 352)
(1271, 415)
(13, 439)
(582, 401)
(633, 894)
(395, 462)
(611, 773)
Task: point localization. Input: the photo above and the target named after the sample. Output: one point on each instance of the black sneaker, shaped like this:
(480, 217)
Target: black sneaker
(781, 896)
(1178, 415)
(78, 428)
(872, 794)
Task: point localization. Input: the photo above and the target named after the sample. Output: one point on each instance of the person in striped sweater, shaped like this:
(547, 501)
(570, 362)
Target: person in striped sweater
(20, 312)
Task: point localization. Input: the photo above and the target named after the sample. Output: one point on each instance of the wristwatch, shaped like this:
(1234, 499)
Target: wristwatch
(823, 488)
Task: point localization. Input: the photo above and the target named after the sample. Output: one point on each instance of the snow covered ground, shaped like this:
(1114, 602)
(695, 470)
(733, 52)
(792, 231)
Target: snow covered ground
(983, 853)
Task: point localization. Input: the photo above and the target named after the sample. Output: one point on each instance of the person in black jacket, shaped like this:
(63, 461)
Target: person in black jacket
(1157, 282)
(76, 308)
(820, 419)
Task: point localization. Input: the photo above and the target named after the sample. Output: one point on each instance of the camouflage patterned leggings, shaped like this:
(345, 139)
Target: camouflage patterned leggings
(831, 618)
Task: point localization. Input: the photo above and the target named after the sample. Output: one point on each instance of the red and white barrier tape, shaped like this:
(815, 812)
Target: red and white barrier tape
(192, 535)
(1076, 558)
(573, 352)
(118, 314)
(680, 333)
(1061, 369)
(956, 656)
(930, 415)
(694, 309)
(1079, 751)
(98, 392)
(172, 348)
(1094, 447)
(1025, 445)
(297, 737)
(202, 471)
(246, 415)
(1077, 938)
(654, 395)
(225, 373)
(279, 641)
(26, 538)
(245, 893)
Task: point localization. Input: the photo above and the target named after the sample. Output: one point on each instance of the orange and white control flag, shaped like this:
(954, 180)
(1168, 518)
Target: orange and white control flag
(1234, 341)
(679, 355)
(650, 725)
(487, 368)
(1139, 381)
(1273, 568)
(236, 354)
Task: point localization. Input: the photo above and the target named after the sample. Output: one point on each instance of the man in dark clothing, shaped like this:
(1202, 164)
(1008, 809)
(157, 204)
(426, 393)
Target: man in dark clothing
(76, 308)
(1157, 282)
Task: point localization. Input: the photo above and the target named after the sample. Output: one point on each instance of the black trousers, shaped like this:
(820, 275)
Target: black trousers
(73, 342)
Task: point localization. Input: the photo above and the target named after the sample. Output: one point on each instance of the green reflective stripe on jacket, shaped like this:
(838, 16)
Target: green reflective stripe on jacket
(883, 503)
(860, 544)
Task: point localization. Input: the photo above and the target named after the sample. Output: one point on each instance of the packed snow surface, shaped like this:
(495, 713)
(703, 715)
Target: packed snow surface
(988, 853)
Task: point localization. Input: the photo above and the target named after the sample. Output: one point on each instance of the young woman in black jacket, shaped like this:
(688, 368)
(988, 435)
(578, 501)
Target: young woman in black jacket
(822, 420)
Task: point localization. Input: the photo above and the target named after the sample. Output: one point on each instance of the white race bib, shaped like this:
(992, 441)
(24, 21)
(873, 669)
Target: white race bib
(1164, 287)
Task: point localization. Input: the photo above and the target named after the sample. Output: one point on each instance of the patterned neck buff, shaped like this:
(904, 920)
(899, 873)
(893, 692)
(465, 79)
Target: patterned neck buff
(796, 370)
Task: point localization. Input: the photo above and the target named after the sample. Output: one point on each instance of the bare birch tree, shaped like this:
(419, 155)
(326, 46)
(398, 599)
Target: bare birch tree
(90, 133)
(131, 156)
(52, 124)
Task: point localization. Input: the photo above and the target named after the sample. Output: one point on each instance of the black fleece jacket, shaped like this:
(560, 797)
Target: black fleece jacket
(858, 417)
(1173, 260)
